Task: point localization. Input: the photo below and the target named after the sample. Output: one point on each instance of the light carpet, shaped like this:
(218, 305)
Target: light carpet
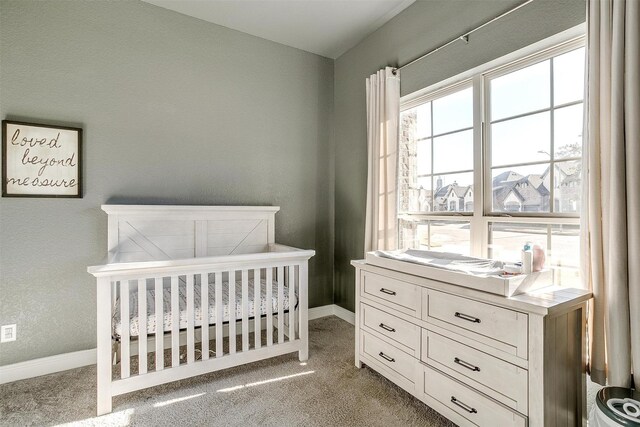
(328, 390)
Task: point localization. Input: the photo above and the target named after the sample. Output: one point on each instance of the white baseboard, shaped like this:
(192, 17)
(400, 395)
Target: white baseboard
(47, 365)
(322, 311)
(332, 310)
(77, 359)
(344, 314)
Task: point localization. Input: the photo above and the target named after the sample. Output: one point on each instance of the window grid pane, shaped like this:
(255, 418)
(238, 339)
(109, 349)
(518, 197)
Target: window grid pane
(408, 160)
(522, 140)
(561, 244)
(453, 192)
(521, 188)
(453, 112)
(568, 76)
(435, 235)
(567, 132)
(529, 85)
(453, 152)
(568, 186)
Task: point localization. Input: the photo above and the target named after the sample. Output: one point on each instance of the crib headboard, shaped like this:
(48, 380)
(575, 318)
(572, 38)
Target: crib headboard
(165, 232)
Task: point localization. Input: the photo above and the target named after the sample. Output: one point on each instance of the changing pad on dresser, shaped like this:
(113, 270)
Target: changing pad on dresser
(447, 261)
(476, 273)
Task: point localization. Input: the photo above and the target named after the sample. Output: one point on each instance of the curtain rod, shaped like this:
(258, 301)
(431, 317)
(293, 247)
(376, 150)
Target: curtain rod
(464, 37)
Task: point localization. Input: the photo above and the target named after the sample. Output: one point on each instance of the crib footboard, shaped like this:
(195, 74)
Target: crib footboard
(159, 322)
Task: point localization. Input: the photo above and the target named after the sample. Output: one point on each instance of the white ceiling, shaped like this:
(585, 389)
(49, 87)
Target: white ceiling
(325, 27)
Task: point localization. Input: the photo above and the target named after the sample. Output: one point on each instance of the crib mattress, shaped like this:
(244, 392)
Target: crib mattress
(134, 321)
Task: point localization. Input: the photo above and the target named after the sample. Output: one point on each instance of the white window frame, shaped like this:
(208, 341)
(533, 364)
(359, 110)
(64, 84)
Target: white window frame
(482, 216)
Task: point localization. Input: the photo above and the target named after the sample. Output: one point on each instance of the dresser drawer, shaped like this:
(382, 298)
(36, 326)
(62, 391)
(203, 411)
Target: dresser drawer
(388, 356)
(505, 382)
(402, 334)
(505, 329)
(468, 403)
(397, 294)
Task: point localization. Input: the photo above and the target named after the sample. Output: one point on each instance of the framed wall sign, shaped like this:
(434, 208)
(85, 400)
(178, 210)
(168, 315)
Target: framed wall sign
(41, 160)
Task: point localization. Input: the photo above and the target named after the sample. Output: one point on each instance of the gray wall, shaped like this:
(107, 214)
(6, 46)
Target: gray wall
(174, 110)
(421, 27)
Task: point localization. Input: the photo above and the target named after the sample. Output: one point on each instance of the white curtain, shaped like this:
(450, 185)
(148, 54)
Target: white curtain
(383, 112)
(611, 200)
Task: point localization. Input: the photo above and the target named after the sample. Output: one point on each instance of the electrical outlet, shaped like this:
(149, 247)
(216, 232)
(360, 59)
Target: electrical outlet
(8, 333)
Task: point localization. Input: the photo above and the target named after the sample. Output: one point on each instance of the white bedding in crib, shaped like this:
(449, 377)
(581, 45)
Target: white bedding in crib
(134, 322)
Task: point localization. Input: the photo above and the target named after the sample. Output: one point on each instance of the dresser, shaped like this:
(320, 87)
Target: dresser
(475, 357)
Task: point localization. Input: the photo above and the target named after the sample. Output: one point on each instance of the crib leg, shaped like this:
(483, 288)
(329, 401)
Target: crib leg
(104, 351)
(303, 354)
(104, 404)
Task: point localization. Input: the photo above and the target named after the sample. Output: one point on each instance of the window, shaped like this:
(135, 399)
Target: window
(494, 161)
(436, 144)
(535, 135)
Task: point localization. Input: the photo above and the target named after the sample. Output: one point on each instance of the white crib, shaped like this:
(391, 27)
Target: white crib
(163, 263)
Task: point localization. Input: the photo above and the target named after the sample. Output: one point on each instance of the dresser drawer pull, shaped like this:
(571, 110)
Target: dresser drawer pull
(387, 328)
(467, 317)
(387, 358)
(467, 408)
(387, 291)
(466, 365)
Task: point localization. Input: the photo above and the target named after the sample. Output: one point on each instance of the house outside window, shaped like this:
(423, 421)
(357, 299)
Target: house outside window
(493, 161)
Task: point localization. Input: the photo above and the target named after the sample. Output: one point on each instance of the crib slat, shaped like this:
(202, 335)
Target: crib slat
(190, 342)
(219, 314)
(280, 305)
(204, 311)
(269, 303)
(175, 322)
(142, 321)
(257, 330)
(125, 371)
(232, 311)
(292, 306)
(159, 326)
(245, 310)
